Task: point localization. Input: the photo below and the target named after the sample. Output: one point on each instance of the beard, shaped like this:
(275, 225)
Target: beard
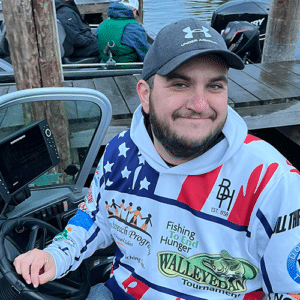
(180, 146)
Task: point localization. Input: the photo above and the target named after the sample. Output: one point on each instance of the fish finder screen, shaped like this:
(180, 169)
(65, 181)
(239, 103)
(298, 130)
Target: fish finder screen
(24, 158)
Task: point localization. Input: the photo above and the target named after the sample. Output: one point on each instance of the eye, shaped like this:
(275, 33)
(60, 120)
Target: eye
(216, 87)
(180, 85)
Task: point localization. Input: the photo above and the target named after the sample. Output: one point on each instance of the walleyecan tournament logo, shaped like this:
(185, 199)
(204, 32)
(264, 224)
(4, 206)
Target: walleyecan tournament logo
(293, 263)
(220, 270)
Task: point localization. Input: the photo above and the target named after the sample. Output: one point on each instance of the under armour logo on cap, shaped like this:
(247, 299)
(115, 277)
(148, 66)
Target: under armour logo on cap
(189, 32)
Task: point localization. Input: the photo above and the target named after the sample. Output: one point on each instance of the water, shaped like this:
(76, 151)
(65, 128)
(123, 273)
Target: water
(158, 13)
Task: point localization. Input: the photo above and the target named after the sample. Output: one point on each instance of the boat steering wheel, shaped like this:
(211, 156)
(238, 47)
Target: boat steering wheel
(35, 233)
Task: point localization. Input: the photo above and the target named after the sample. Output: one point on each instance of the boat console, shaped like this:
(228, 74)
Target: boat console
(24, 156)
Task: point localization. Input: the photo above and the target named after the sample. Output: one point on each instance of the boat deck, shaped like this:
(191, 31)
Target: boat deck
(265, 95)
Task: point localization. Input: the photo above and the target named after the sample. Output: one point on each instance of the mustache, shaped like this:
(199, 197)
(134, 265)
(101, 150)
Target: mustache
(193, 115)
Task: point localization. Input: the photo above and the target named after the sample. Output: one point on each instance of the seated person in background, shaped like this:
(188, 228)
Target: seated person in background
(130, 39)
(79, 37)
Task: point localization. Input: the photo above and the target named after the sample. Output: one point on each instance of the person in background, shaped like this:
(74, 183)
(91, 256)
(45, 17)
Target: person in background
(224, 205)
(127, 38)
(80, 40)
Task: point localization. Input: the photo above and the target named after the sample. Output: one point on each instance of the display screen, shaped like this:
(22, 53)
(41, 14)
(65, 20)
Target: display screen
(24, 158)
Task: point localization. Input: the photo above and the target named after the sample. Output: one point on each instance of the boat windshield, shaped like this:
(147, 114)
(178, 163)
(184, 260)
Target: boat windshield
(73, 125)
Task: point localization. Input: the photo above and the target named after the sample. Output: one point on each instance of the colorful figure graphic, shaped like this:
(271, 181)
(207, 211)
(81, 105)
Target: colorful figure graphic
(110, 213)
(136, 213)
(147, 220)
(115, 206)
(128, 209)
(122, 208)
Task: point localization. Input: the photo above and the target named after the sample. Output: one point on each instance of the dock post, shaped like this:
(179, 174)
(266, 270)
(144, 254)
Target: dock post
(33, 42)
(282, 36)
(283, 29)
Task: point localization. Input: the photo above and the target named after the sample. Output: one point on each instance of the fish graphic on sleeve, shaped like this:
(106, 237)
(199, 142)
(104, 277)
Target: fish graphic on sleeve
(226, 266)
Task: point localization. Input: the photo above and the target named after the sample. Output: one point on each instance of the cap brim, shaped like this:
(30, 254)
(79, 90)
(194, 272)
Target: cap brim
(231, 59)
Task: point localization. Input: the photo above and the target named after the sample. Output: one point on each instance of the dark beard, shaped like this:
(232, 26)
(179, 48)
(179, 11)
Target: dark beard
(178, 146)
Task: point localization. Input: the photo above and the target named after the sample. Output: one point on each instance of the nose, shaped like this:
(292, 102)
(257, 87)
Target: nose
(197, 101)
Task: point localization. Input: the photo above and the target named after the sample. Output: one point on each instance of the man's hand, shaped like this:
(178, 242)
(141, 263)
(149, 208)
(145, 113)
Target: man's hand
(36, 267)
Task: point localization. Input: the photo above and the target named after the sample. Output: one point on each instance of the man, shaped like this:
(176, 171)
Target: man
(80, 41)
(224, 205)
(127, 38)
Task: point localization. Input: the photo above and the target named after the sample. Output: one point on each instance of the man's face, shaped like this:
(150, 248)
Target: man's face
(188, 108)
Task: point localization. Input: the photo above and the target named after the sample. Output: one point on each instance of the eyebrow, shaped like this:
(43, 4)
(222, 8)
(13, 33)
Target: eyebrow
(175, 75)
(220, 78)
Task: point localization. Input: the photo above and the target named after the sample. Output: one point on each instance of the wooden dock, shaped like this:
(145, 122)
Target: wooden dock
(85, 7)
(94, 7)
(265, 95)
(92, 10)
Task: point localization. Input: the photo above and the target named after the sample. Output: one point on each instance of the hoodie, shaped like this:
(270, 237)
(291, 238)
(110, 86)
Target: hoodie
(78, 33)
(222, 226)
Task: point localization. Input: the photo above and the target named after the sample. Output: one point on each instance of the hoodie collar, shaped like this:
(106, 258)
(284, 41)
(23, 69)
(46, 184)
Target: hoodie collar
(235, 131)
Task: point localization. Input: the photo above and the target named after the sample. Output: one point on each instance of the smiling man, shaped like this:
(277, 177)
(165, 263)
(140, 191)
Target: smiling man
(212, 212)
(187, 98)
(187, 108)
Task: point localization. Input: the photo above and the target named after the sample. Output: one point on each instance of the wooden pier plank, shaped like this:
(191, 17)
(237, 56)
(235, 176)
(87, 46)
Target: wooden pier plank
(262, 92)
(108, 87)
(68, 83)
(282, 72)
(3, 90)
(278, 84)
(268, 116)
(127, 87)
(292, 66)
(87, 83)
(138, 76)
(12, 88)
(239, 96)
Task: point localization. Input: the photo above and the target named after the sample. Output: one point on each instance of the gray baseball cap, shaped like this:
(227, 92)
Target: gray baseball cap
(180, 41)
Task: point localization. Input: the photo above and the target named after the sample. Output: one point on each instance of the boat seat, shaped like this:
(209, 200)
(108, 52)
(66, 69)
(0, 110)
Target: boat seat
(80, 60)
(66, 50)
(4, 49)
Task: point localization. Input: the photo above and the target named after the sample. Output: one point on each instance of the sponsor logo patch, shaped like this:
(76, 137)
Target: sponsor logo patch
(293, 263)
(220, 271)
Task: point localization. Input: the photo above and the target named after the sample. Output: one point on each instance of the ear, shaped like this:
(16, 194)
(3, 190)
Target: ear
(143, 91)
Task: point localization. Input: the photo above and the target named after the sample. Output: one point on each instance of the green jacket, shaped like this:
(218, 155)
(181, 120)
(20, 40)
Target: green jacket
(112, 30)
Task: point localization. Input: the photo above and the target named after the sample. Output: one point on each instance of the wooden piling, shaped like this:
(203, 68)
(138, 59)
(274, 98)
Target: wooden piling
(282, 31)
(33, 43)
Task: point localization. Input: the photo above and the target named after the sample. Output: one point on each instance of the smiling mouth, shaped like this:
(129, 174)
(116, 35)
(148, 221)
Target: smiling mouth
(194, 116)
(197, 118)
